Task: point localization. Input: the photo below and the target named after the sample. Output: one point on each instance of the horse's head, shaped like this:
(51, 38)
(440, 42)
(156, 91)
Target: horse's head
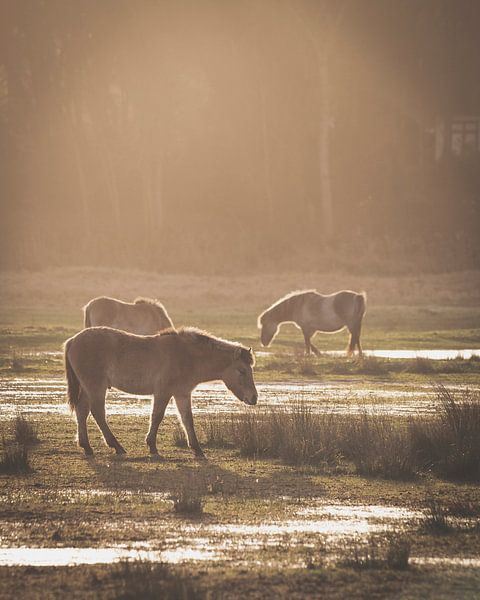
(238, 376)
(268, 330)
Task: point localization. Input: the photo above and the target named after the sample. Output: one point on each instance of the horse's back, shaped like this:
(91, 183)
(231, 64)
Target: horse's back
(139, 318)
(103, 356)
(101, 311)
(349, 305)
(332, 312)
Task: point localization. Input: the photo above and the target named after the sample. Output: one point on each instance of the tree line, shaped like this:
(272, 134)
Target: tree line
(214, 135)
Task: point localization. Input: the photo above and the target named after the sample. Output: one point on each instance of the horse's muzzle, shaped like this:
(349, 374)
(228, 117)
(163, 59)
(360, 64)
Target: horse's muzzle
(252, 401)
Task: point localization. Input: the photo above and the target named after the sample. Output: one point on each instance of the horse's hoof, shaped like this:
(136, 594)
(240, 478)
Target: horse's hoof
(88, 452)
(156, 457)
(120, 451)
(153, 452)
(201, 457)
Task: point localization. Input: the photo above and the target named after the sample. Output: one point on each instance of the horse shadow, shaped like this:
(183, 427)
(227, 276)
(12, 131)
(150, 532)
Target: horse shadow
(167, 476)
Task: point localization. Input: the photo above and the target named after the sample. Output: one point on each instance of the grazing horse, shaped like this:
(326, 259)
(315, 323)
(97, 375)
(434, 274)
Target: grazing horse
(312, 312)
(143, 316)
(171, 363)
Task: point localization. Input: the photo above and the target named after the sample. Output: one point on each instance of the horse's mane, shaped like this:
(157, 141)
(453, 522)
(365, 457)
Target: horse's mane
(141, 300)
(199, 339)
(281, 301)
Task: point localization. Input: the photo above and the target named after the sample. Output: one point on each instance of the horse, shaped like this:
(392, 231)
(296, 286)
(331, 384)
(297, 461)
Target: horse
(311, 311)
(143, 316)
(170, 363)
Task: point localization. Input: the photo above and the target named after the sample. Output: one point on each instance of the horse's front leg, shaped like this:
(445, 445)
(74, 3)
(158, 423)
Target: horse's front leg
(184, 406)
(306, 336)
(159, 405)
(309, 347)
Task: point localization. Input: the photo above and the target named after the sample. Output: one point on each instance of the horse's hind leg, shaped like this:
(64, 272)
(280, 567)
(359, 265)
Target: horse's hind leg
(82, 411)
(354, 341)
(357, 340)
(97, 406)
(351, 343)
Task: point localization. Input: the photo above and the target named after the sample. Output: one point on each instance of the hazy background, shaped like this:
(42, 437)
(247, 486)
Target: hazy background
(217, 136)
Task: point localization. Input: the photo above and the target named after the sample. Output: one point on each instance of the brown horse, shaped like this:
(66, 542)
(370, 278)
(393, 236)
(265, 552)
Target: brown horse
(312, 312)
(171, 363)
(142, 316)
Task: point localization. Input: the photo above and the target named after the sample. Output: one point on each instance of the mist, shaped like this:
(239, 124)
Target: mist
(240, 136)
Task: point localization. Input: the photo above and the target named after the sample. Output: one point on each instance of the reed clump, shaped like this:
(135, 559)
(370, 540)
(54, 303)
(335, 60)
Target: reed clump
(449, 443)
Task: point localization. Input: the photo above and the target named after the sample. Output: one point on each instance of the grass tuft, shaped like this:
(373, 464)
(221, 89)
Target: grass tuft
(24, 432)
(17, 364)
(436, 519)
(217, 429)
(187, 501)
(179, 437)
(297, 436)
(14, 460)
(378, 446)
(392, 552)
(149, 581)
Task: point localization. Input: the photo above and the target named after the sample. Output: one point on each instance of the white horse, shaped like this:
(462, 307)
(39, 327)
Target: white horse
(312, 312)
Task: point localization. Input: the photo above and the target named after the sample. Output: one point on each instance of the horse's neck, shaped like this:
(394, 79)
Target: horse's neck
(284, 311)
(210, 365)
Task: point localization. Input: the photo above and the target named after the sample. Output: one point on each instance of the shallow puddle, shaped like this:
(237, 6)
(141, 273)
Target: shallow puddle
(187, 541)
(432, 354)
(30, 395)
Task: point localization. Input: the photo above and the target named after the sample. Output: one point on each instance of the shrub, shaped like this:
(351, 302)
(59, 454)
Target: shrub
(449, 443)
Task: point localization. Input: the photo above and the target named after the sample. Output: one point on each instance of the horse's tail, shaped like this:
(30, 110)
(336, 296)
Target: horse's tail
(73, 389)
(360, 306)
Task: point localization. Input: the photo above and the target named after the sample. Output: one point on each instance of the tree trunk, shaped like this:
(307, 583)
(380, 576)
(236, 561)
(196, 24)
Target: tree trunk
(266, 155)
(324, 149)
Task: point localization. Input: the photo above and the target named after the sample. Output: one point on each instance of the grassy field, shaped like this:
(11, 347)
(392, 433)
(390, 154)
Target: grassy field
(53, 497)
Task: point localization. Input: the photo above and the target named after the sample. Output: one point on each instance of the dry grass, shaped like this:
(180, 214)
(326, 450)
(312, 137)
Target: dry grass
(392, 552)
(73, 287)
(449, 443)
(378, 446)
(187, 499)
(135, 580)
(24, 431)
(14, 459)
